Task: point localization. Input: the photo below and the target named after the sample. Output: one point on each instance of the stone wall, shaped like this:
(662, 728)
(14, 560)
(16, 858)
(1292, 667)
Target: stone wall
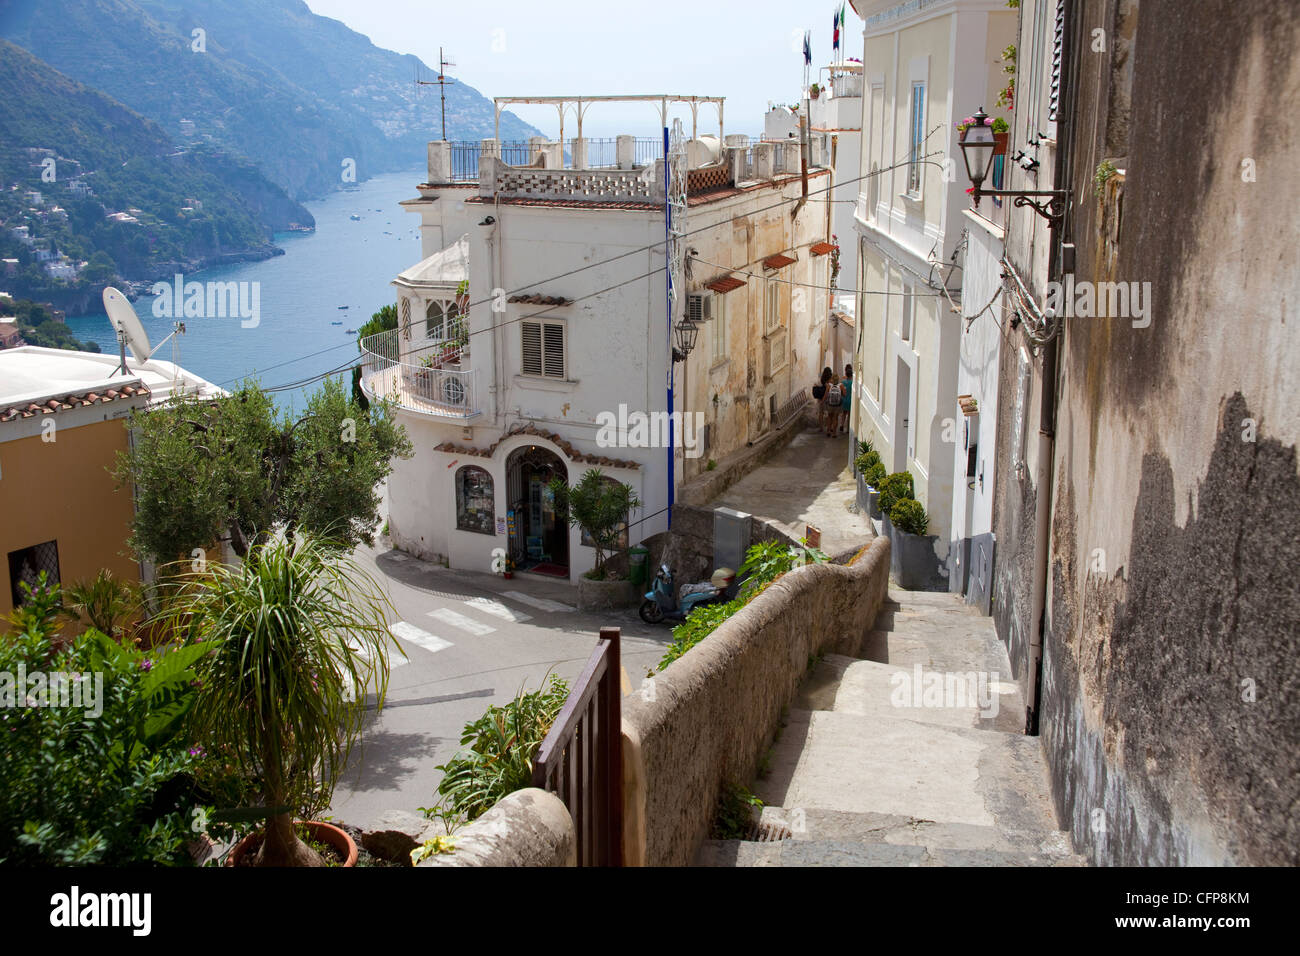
(526, 828)
(708, 717)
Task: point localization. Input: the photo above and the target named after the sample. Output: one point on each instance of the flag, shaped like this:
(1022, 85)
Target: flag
(807, 48)
(835, 40)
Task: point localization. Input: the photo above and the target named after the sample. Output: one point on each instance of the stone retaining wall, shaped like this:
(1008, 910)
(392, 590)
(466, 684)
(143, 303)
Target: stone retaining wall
(526, 828)
(710, 714)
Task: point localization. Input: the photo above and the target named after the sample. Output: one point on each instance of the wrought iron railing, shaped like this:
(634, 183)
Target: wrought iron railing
(428, 379)
(581, 759)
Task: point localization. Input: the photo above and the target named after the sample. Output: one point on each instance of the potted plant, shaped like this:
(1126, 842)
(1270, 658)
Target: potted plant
(599, 506)
(508, 569)
(874, 477)
(893, 488)
(912, 558)
(299, 635)
(814, 91)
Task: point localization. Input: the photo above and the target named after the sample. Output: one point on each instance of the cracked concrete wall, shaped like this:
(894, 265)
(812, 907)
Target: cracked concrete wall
(1170, 708)
(714, 710)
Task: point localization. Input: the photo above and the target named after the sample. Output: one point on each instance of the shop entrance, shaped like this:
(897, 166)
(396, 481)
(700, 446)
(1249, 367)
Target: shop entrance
(539, 536)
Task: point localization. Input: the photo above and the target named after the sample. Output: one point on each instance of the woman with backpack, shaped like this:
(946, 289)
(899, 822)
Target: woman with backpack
(833, 403)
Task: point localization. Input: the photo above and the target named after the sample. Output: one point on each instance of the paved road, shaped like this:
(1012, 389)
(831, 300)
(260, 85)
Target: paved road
(471, 640)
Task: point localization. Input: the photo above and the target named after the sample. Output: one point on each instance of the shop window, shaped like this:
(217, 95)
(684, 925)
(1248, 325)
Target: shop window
(26, 564)
(475, 504)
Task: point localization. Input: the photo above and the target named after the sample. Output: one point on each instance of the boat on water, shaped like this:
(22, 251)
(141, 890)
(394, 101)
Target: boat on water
(355, 218)
(345, 307)
(351, 331)
(336, 323)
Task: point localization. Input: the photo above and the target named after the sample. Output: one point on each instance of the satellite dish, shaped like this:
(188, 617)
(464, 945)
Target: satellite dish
(126, 322)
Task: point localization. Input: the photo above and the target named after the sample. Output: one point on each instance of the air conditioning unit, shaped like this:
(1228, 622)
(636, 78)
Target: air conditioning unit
(699, 307)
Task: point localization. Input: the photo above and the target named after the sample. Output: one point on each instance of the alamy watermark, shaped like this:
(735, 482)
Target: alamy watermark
(82, 690)
(208, 300)
(636, 429)
(946, 690)
(1102, 300)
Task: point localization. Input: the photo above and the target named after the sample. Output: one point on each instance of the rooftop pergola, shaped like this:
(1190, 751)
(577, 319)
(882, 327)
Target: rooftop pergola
(580, 105)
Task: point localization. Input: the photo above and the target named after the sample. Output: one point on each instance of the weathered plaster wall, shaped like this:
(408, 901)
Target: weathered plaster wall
(1170, 708)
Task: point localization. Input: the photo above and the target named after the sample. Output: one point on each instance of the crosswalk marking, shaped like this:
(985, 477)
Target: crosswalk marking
(404, 631)
(498, 609)
(542, 604)
(456, 619)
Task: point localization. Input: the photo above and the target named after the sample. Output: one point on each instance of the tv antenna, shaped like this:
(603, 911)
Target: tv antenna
(441, 82)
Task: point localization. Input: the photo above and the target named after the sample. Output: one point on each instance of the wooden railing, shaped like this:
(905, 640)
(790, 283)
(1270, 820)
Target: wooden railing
(581, 759)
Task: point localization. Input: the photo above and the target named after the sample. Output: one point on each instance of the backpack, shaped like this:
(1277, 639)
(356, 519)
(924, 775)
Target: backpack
(832, 394)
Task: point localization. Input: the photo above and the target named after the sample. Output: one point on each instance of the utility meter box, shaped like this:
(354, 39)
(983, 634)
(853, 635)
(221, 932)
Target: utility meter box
(730, 538)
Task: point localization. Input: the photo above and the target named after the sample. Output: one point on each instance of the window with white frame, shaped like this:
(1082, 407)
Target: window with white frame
(916, 138)
(772, 306)
(543, 349)
(905, 328)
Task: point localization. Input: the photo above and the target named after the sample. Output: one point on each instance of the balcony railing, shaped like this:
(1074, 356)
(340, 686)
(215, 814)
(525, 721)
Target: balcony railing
(428, 380)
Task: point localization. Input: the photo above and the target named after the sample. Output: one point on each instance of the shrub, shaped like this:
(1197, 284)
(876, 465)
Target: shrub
(866, 460)
(85, 788)
(502, 745)
(909, 517)
(893, 489)
(702, 622)
(865, 446)
(735, 812)
(875, 475)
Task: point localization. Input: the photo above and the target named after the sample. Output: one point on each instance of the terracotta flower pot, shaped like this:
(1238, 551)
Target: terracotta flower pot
(1000, 143)
(322, 832)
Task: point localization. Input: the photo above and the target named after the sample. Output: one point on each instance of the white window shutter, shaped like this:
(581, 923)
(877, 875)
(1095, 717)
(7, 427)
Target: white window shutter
(532, 347)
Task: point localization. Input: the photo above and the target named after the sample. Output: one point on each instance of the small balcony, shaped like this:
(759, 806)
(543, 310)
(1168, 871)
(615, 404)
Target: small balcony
(430, 379)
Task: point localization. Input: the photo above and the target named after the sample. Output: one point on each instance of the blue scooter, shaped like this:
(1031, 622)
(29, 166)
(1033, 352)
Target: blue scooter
(661, 603)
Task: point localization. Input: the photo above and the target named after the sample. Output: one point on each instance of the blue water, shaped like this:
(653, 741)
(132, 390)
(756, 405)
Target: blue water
(342, 263)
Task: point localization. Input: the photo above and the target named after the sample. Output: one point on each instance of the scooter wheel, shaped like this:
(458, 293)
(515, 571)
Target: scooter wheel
(651, 612)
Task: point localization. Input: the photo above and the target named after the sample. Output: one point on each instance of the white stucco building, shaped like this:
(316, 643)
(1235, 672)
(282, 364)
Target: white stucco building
(925, 68)
(538, 317)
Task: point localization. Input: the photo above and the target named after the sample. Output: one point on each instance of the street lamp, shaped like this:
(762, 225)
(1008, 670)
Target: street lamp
(977, 143)
(686, 332)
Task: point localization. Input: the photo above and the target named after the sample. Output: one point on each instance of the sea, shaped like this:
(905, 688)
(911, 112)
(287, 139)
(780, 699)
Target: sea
(328, 282)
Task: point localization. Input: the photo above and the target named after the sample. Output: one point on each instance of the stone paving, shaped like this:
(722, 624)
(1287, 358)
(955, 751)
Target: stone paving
(907, 754)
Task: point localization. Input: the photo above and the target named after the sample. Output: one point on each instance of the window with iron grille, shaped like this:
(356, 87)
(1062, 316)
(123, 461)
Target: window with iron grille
(26, 565)
(543, 349)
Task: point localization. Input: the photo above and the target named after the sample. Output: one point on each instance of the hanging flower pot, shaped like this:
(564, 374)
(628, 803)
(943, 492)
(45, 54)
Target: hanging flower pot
(1000, 142)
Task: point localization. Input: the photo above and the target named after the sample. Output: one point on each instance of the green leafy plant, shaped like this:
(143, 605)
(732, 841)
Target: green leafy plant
(702, 622)
(599, 506)
(235, 468)
(1105, 172)
(712, 464)
(1007, 96)
(1000, 125)
(866, 461)
(865, 445)
(111, 782)
(502, 745)
(909, 517)
(432, 847)
(875, 475)
(105, 602)
(298, 635)
(735, 813)
(894, 488)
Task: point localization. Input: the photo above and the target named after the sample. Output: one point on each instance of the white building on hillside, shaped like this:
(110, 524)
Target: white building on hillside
(533, 338)
(926, 67)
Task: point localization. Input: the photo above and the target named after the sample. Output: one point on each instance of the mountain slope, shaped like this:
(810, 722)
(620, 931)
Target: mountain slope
(298, 93)
(185, 207)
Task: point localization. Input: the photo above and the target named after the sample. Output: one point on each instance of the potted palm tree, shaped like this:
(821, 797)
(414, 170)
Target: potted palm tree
(299, 636)
(598, 505)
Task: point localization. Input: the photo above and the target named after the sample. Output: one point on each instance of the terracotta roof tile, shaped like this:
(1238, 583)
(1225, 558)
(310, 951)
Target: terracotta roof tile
(724, 284)
(539, 299)
(532, 430)
(77, 400)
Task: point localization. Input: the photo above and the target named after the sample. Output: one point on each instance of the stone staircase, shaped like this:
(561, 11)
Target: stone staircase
(908, 753)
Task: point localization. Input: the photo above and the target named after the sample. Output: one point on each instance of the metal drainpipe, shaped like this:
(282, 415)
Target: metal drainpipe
(1063, 173)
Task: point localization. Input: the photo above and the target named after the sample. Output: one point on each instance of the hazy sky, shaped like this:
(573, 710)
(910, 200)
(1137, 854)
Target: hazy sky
(747, 52)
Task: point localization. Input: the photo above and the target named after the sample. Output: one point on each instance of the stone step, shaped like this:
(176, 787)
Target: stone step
(981, 699)
(833, 853)
(879, 764)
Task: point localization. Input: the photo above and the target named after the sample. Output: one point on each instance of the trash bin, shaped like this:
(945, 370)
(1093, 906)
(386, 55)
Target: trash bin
(636, 558)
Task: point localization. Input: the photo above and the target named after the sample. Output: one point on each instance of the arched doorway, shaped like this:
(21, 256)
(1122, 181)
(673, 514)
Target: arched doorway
(539, 535)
